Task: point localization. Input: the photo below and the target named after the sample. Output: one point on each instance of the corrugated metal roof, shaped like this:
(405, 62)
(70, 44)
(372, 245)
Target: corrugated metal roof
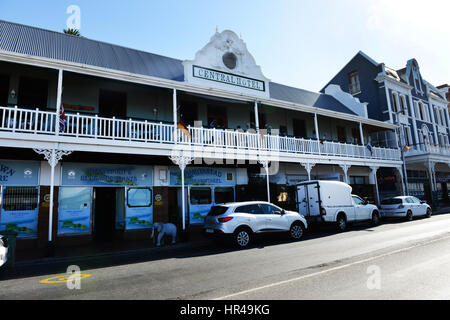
(54, 45)
(59, 46)
(308, 98)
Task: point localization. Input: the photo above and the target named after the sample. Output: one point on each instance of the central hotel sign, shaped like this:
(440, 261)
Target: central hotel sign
(228, 78)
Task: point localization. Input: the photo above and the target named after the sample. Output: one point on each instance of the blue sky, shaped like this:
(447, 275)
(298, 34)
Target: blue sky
(301, 43)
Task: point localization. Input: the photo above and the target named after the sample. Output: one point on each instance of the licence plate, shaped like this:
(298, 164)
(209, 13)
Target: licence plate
(209, 231)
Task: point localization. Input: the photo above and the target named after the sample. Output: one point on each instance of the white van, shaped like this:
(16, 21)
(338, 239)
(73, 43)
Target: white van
(333, 202)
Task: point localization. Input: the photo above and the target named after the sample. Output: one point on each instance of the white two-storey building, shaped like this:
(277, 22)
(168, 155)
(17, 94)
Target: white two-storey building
(98, 140)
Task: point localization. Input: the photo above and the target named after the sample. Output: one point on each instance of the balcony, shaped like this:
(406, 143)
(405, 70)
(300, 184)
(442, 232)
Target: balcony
(37, 123)
(430, 149)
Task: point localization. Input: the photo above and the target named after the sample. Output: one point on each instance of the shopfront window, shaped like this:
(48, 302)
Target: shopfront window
(139, 197)
(201, 196)
(20, 199)
(19, 211)
(224, 195)
(74, 215)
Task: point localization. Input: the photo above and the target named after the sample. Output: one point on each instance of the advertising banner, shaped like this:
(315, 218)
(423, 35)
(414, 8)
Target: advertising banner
(203, 176)
(82, 174)
(19, 173)
(74, 214)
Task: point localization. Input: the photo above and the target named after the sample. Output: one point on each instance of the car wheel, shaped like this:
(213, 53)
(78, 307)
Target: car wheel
(341, 223)
(375, 219)
(297, 231)
(242, 237)
(429, 213)
(409, 216)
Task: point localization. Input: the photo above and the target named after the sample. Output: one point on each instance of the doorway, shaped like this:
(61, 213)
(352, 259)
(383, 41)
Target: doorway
(112, 104)
(33, 93)
(107, 208)
(4, 90)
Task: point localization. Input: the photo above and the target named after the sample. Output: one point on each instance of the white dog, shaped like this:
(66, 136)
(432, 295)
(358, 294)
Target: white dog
(164, 229)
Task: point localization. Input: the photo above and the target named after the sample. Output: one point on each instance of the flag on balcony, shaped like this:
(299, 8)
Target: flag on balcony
(406, 149)
(62, 119)
(369, 147)
(184, 129)
(322, 141)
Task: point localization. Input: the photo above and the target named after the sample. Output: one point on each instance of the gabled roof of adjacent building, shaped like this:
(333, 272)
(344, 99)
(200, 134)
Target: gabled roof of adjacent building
(43, 43)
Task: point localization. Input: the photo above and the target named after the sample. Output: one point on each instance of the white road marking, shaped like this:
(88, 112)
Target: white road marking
(329, 270)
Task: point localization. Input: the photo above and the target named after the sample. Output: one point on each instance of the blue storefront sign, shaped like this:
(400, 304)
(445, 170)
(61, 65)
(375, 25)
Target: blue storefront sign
(19, 173)
(81, 174)
(203, 176)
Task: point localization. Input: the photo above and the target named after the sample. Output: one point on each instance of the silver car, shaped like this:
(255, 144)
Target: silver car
(241, 221)
(405, 207)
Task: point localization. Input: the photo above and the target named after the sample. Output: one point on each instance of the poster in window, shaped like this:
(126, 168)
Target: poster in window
(139, 209)
(19, 211)
(74, 214)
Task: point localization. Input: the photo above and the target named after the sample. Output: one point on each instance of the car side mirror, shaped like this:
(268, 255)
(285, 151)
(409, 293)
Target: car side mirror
(283, 212)
(423, 202)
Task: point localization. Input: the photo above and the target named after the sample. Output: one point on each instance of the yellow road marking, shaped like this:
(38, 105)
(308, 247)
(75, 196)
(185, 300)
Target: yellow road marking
(65, 278)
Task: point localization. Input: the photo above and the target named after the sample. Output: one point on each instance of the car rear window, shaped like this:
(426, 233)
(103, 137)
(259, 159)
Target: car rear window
(391, 201)
(217, 211)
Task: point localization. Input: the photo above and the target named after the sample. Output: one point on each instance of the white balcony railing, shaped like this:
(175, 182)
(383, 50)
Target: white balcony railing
(429, 149)
(17, 120)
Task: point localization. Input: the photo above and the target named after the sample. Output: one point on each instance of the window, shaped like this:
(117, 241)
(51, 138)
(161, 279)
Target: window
(392, 201)
(217, 211)
(355, 180)
(72, 198)
(403, 107)
(224, 194)
(268, 209)
(250, 209)
(139, 197)
(358, 201)
(201, 196)
(394, 102)
(355, 86)
(20, 199)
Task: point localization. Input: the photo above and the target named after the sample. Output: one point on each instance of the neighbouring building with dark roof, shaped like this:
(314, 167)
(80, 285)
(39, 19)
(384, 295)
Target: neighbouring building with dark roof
(84, 120)
(404, 98)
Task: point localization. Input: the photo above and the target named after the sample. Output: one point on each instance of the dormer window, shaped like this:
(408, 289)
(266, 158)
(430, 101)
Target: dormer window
(355, 87)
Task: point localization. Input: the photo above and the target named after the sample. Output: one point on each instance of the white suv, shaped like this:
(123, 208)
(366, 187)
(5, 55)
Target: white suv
(240, 221)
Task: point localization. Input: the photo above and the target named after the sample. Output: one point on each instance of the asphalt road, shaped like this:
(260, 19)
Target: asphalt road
(397, 260)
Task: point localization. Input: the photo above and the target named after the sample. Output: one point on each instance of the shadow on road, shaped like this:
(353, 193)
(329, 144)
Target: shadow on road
(179, 251)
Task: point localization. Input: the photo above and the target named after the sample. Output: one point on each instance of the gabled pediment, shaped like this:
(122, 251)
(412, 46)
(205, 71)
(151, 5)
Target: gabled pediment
(225, 63)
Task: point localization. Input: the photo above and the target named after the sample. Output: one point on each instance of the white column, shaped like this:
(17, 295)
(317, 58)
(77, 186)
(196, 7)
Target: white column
(175, 116)
(59, 99)
(402, 176)
(374, 179)
(256, 116)
(361, 132)
(316, 126)
(265, 164)
(182, 161)
(53, 156)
